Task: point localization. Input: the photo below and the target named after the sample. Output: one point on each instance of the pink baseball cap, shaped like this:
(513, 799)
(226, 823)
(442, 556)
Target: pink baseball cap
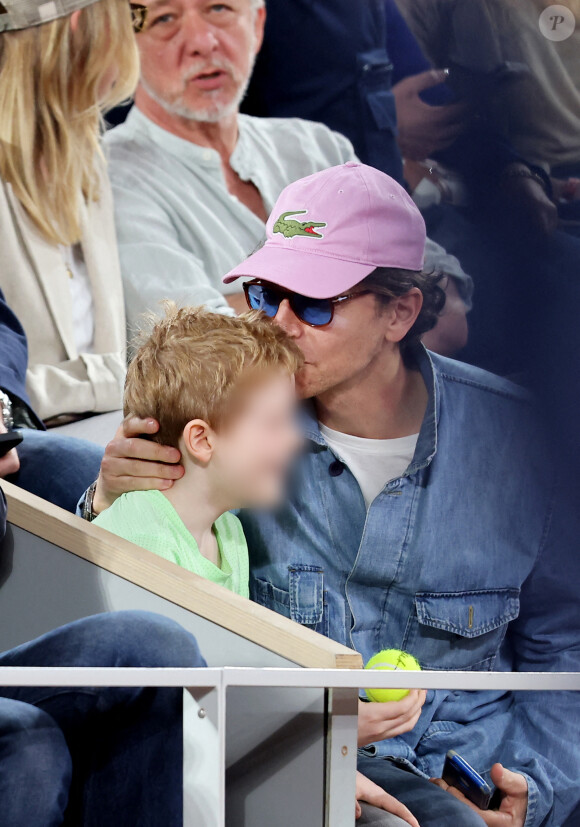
(330, 230)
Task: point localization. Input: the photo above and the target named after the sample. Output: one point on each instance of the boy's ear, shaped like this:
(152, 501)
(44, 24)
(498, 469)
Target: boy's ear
(198, 439)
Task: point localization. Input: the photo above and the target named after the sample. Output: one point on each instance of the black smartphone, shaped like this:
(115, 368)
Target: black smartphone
(479, 86)
(9, 441)
(461, 775)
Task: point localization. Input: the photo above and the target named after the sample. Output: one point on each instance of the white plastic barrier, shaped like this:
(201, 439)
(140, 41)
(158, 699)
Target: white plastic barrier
(55, 568)
(270, 727)
(226, 726)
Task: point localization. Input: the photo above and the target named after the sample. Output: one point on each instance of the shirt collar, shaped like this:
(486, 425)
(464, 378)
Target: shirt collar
(427, 441)
(187, 151)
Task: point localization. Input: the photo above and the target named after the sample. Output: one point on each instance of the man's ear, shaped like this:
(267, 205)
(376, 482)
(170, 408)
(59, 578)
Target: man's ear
(401, 314)
(259, 24)
(198, 440)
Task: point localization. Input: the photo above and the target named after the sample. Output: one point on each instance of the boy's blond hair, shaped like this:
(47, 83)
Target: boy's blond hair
(193, 362)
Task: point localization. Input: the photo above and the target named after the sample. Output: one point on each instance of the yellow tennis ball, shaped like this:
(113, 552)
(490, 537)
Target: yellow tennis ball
(391, 660)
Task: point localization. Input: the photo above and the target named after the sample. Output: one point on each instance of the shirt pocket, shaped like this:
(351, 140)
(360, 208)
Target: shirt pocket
(460, 630)
(304, 602)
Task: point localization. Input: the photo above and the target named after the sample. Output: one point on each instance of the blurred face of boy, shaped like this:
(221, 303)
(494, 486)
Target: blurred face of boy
(197, 55)
(252, 453)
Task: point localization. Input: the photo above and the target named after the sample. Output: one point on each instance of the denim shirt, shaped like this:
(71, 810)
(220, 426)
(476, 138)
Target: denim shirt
(463, 562)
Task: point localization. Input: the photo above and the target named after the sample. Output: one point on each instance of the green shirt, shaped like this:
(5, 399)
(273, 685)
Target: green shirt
(148, 519)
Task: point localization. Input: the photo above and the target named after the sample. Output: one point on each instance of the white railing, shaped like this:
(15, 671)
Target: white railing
(217, 728)
(291, 677)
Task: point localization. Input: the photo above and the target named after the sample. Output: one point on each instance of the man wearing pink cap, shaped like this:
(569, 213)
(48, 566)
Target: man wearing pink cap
(321, 254)
(421, 515)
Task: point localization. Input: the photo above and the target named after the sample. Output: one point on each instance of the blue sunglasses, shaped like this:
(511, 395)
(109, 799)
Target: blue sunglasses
(313, 312)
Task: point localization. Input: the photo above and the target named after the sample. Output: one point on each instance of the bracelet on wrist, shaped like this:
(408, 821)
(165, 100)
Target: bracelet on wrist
(512, 174)
(6, 414)
(87, 508)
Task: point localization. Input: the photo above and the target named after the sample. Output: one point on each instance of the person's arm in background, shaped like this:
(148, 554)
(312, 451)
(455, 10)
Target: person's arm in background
(429, 118)
(13, 360)
(90, 382)
(432, 125)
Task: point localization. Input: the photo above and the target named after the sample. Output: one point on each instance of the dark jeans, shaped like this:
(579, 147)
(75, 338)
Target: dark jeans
(431, 806)
(374, 817)
(57, 468)
(96, 757)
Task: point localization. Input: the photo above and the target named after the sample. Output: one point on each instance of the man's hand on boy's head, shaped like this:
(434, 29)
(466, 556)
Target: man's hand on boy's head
(514, 804)
(132, 463)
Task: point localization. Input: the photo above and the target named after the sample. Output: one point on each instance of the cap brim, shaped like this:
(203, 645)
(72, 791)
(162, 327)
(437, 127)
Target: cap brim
(310, 274)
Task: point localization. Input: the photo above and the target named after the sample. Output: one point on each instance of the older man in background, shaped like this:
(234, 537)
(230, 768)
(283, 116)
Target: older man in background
(194, 180)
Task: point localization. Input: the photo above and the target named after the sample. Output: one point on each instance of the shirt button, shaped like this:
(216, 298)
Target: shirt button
(206, 155)
(336, 468)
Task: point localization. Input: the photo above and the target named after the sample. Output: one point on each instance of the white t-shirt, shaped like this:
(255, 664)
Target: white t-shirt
(81, 298)
(373, 462)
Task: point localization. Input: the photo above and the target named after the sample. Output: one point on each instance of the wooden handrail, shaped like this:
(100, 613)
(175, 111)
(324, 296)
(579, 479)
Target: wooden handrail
(158, 576)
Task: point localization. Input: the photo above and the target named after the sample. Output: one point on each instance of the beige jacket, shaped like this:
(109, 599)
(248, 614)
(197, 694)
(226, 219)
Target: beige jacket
(34, 279)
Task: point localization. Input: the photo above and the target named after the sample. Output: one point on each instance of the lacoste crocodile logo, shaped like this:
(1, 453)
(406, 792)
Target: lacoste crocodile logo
(289, 227)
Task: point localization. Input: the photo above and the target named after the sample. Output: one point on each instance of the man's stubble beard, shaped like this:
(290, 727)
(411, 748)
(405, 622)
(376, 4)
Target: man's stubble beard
(312, 387)
(209, 114)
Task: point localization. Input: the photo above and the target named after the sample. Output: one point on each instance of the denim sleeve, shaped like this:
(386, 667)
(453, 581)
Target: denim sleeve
(546, 638)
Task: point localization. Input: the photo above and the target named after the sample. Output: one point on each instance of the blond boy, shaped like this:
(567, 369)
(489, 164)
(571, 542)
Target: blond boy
(222, 390)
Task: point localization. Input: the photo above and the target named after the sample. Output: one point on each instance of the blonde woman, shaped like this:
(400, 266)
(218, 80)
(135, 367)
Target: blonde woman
(96, 757)
(58, 257)
(62, 63)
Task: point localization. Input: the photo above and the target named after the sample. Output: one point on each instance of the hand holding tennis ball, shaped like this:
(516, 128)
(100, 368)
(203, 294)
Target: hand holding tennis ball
(391, 660)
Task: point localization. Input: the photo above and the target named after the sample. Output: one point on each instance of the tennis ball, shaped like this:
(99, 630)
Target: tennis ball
(391, 660)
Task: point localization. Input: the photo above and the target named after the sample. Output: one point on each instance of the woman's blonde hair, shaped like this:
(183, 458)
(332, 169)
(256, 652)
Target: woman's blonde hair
(52, 96)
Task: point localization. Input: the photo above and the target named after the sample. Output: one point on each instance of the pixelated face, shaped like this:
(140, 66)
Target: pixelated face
(197, 56)
(254, 451)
